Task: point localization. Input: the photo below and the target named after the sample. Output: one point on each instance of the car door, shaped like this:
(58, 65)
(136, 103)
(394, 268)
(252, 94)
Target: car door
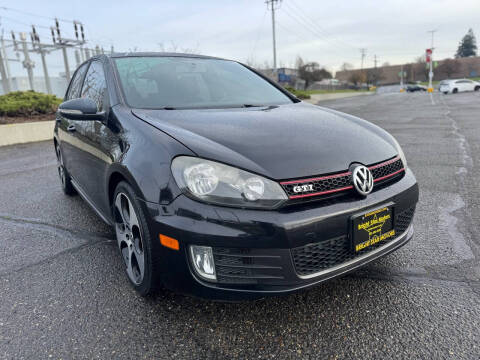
(69, 131)
(94, 158)
(464, 85)
(458, 85)
(470, 85)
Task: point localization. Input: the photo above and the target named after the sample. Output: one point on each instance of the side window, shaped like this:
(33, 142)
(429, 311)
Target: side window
(76, 83)
(94, 85)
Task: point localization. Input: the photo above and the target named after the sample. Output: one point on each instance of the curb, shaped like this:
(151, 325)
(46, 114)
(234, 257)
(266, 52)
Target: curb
(11, 134)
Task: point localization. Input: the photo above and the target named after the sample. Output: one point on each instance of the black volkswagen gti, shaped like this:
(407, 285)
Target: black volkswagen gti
(223, 185)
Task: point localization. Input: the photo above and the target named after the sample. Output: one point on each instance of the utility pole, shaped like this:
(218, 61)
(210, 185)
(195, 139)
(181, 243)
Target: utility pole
(64, 51)
(375, 67)
(401, 77)
(45, 69)
(7, 65)
(274, 5)
(363, 52)
(5, 84)
(430, 73)
(38, 47)
(27, 63)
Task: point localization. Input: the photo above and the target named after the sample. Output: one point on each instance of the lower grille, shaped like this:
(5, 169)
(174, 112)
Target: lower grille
(313, 258)
(246, 266)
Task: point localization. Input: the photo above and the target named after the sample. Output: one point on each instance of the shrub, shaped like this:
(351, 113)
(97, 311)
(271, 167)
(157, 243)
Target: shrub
(28, 103)
(299, 93)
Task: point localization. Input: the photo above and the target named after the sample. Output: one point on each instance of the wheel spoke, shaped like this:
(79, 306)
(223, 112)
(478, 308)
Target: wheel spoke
(130, 271)
(121, 234)
(141, 264)
(133, 221)
(120, 208)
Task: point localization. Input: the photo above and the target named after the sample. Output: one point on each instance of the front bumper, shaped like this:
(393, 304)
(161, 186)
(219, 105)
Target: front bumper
(254, 249)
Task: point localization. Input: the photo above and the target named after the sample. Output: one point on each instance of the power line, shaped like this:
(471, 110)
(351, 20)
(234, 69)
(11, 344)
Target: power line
(324, 33)
(254, 47)
(35, 15)
(313, 32)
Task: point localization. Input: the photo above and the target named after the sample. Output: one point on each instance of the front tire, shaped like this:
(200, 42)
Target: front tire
(134, 240)
(477, 88)
(455, 91)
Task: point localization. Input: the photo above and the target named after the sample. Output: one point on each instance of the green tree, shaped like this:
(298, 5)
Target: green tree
(311, 72)
(468, 45)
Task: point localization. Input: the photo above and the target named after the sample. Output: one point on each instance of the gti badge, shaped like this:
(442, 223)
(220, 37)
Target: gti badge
(362, 180)
(303, 188)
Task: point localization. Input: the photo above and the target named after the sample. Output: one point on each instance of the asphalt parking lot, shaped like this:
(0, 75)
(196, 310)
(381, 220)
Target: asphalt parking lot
(63, 293)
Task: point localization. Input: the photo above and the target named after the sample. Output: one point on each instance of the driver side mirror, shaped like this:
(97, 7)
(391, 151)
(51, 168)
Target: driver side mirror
(80, 109)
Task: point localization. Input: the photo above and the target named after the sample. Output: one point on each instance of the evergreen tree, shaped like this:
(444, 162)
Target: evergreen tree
(468, 45)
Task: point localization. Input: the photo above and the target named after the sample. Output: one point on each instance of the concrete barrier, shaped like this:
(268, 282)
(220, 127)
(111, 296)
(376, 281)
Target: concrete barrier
(315, 98)
(26, 132)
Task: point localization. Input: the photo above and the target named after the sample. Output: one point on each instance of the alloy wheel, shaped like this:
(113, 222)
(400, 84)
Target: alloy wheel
(60, 166)
(129, 238)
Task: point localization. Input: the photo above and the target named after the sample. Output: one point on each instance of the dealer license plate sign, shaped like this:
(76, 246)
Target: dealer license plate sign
(372, 228)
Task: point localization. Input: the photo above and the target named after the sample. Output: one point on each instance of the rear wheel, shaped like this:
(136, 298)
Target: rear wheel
(65, 179)
(134, 241)
(455, 91)
(477, 88)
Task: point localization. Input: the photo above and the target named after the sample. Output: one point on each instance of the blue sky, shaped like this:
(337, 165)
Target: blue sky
(329, 32)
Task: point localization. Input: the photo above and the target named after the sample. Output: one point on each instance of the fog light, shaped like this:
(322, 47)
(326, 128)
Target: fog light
(202, 258)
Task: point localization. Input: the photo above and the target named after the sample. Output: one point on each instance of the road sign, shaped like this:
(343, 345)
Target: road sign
(428, 55)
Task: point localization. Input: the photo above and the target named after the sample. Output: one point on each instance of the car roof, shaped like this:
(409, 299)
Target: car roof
(161, 54)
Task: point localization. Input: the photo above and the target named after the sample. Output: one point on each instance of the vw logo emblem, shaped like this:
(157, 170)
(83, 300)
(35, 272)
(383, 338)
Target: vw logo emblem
(362, 180)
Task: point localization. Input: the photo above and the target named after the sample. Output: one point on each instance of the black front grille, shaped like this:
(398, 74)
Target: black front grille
(313, 258)
(385, 169)
(337, 183)
(246, 266)
(320, 185)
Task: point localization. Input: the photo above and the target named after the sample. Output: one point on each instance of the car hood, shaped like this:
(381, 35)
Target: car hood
(280, 142)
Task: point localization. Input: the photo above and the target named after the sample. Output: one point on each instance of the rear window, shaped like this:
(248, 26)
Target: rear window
(186, 83)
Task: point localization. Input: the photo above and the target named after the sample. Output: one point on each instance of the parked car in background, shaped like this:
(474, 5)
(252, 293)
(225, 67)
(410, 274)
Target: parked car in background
(458, 85)
(416, 87)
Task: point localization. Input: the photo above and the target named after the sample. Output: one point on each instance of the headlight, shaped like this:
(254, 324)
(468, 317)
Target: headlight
(225, 185)
(400, 153)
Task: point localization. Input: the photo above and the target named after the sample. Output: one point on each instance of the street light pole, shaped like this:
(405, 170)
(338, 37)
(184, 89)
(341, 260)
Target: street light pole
(430, 73)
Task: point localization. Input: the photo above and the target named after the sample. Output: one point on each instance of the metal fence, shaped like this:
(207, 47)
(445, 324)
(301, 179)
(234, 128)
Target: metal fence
(26, 63)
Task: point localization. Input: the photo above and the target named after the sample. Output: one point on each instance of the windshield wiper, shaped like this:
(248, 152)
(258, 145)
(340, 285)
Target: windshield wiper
(253, 105)
(167, 108)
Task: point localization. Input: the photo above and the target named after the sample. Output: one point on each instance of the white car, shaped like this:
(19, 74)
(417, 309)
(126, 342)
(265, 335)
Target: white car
(458, 85)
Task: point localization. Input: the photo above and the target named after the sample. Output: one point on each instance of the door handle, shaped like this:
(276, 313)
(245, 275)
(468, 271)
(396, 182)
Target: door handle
(71, 128)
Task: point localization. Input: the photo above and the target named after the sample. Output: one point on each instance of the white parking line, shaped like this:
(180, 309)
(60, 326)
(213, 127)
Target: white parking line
(431, 98)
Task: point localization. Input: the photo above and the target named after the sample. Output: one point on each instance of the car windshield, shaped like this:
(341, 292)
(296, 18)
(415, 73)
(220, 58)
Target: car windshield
(188, 83)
